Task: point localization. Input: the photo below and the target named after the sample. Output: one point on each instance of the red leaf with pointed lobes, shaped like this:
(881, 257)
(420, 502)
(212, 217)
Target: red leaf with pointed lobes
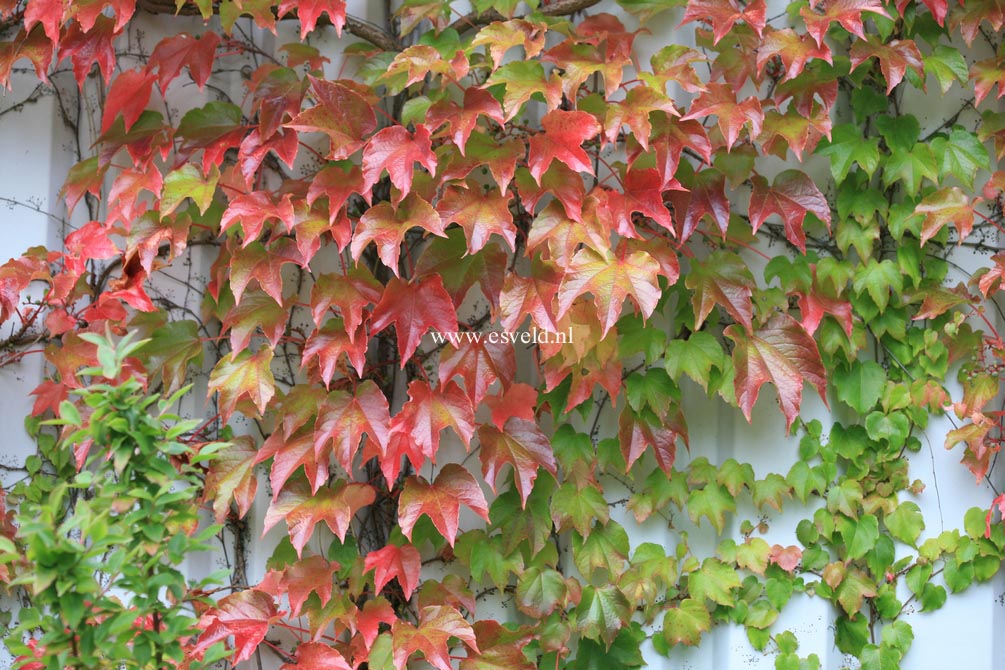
(520, 444)
(337, 185)
(309, 11)
(213, 128)
(298, 580)
(173, 53)
(794, 130)
(386, 225)
(87, 12)
(288, 454)
(252, 210)
(524, 79)
(500, 36)
(463, 119)
(723, 14)
(317, 655)
(846, 12)
(791, 196)
(669, 140)
(342, 114)
(416, 62)
(328, 344)
(611, 279)
(562, 138)
(414, 309)
(480, 213)
(634, 112)
(375, 612)
(559, 181)
(128, 95)
(636, 434)
(393, 562)
(231, 476)
(579, 61)
(441, 501)
(242, 376)
(814, 305)
(428, 412)
(499, 157)
(284, 143)
(723, 279)
(518, 401)
(479, 364)
(561, 236)
(783, 353)
(344, 418)
(707, 197)
(973, 14)
(938, 8)
(396, 150)
(264, 265)
(302, 510)
(437, 625)
(499, 648)
(531, 296)
(91, 241)
(350, 294)
(986, 74)
(644, 194)
(246, 615)
(947, 205)
(794, 49)
(894, 59)
(126, 201)
(49, 13)
(256, 311)
(673, 63)
(720, 100)
(278, 95)
(87, 48)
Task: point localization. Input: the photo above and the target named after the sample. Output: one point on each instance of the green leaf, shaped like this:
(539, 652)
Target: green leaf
(602, 612)
(711, 502)
(847, 147)
(805, 480)
(948, 65)
(882, 657)
(860, 535)
(898, 635)
(685, 623)
(714, 581)
(900, 132)
(606, 547)
(578, 508)
(859, 384)
(540, 591)
(893, 427)
(905, 522)
(878, 279)
(646, 9)
(961, 155)
(624, 652)
(910, 167)
(854, 588)
(761, 614)
(695, 357)
(188, 182)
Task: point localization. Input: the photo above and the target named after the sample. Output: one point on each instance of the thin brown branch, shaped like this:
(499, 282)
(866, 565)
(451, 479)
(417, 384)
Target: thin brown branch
(560, 8)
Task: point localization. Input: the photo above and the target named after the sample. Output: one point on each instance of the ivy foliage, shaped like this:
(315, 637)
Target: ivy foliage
(529, 233)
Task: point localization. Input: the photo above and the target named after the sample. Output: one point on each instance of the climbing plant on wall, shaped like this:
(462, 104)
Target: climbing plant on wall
(389, 214)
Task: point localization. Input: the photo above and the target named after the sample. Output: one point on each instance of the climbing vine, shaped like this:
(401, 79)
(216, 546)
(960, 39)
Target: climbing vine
(451, 281)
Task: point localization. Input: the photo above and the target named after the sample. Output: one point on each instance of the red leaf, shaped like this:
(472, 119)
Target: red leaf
(938, 8)
(377, 610)
(337, 185)
(721, 100)
(50, 13)
(231, 476)
(530, 296)
(30, 44)
(560, 182)
(317, 656)
(342, 114)
(87, 48)
(781, 352)
(518, 401)
(723, 279)
(634, 112)
(252, 210)
(636, 434)
(426, 414)
(437, 624)
(499, 157)
(288, 454)
(894, 59)
(344, 418)
(396, 150)
(278, 94)
(128, 95)
(814, 305)
(644, 194)
(335, 506)
(414, 309)
(246, 615)
(241, 376)
(264, 265)
(392, 562)
(707, 196)
(787, 558)
(463, 119)
(440, 501)
(722, 14)
(256, 311)
(794, 49)
(947, 205)
(386, 225)
(298, 580)
(479, 364)
(791, 196)
(611, 280)
(561, 139)
(846, 12)
(349, 293)
(173, 53)
(480, 213)
(329, 343)
(520, 444)
(563, 236)
(309, 11)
